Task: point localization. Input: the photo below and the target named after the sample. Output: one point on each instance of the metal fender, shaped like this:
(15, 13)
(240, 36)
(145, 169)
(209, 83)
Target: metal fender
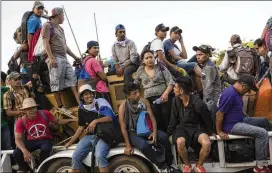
(87, 161)
(113, 152)
(61, 154)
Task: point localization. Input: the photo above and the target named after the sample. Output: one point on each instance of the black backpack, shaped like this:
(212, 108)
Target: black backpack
(147, 47)
(109, 132)
(24, 25)
(240, 150)
(13, 66)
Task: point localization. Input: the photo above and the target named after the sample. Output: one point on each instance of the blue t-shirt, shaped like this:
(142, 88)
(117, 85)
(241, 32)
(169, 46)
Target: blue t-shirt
(33, 24)
(231, 104)
(168, 45)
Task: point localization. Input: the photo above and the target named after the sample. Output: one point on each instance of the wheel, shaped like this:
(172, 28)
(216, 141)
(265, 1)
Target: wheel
(63, 166)
(128, 164)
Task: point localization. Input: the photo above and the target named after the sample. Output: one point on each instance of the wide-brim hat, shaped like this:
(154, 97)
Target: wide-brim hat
(29, 103)
(85, 87)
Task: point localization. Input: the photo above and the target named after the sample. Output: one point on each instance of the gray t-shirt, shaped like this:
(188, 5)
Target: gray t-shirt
(57, 38)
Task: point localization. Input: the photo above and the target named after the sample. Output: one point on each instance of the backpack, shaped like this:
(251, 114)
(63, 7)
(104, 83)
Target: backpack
(240, 150)
(24, 25)
(109, 132)
(268, 39)
(142, 125)
(83, 76)
(242, 60)
(147, 47)
(13, 66)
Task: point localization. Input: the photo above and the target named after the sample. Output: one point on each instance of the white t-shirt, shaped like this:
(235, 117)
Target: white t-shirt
(156, 45)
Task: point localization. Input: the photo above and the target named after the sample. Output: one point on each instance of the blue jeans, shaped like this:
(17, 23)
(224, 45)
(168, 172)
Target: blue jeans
(257, 128)
(187, 66)
(6, 138)
(85, 146)
(32, 145)
(142, 144)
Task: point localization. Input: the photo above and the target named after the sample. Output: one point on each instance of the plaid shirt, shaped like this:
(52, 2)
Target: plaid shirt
(19, 98)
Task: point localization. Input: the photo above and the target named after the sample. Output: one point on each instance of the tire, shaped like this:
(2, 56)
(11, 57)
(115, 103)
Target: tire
(128, 164)
(62, 166)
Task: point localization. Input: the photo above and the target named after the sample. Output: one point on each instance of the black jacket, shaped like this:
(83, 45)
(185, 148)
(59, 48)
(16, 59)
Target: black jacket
(195, 114)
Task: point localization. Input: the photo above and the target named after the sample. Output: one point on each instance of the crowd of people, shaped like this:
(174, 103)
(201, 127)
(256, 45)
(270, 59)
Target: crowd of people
(183, 99)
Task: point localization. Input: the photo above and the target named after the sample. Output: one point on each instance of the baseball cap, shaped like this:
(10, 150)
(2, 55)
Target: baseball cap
(235, 38)
(56, 11)
(204, 48)
(118, 27)
(176, 29)
(38, 4)
(249, 80)
(13, 75)
(161, 27)
(90, 44)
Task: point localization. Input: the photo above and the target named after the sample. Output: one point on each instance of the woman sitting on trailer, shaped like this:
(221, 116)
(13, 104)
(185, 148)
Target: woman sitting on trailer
(158, 83)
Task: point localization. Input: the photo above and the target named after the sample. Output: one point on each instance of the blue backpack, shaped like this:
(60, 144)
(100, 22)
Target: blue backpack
(80, 71)
(142, 126)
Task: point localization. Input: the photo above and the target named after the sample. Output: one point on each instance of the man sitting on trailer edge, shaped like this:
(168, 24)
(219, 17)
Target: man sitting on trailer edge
(190, 124)
(129, 112)
(230, 119)
(34, 124)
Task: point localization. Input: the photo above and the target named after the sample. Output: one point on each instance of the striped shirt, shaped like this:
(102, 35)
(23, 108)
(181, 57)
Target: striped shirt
(19, 98)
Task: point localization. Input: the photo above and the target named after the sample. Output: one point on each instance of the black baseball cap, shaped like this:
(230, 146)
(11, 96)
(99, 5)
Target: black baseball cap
(204, 48)
(176, 29)
(249, 80)
(91, 44)
(161, 27)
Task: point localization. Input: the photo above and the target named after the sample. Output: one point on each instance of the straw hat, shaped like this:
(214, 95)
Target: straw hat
(29, 103)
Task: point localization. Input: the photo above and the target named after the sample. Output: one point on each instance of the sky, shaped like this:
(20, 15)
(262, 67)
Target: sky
(205, 22)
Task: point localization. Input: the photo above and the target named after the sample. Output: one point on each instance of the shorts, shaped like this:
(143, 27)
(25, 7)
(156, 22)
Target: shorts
(190, 134)
(63, 76)
(187, 66)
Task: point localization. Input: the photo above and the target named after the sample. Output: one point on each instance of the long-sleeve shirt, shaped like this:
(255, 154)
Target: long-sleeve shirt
(225, 67)
(156, 85)
(211, 83)
(195, 114)
(124, 53)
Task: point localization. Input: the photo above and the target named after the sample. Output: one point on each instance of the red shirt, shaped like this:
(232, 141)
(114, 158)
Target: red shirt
(38, 128)
(92, 67)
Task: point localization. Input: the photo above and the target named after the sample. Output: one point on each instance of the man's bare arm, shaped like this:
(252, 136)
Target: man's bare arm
(121, 114)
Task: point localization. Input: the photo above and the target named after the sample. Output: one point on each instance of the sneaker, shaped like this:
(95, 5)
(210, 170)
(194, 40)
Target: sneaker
(65, 109)
(173, 169)
(264, 169)
(187, 168)
(164, 170)
(200, 169)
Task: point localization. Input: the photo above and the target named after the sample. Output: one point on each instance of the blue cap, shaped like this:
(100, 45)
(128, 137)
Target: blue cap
(90, 44)
(118, 27)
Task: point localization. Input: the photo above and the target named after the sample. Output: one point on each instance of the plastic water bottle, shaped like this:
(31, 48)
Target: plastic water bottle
(157, 101)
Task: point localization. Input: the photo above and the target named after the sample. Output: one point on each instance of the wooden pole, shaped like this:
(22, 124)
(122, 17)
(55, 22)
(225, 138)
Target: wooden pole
(97, 37)
(71, 30)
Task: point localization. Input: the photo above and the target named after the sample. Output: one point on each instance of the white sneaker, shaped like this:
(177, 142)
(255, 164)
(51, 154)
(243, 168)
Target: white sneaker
(15, 167)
